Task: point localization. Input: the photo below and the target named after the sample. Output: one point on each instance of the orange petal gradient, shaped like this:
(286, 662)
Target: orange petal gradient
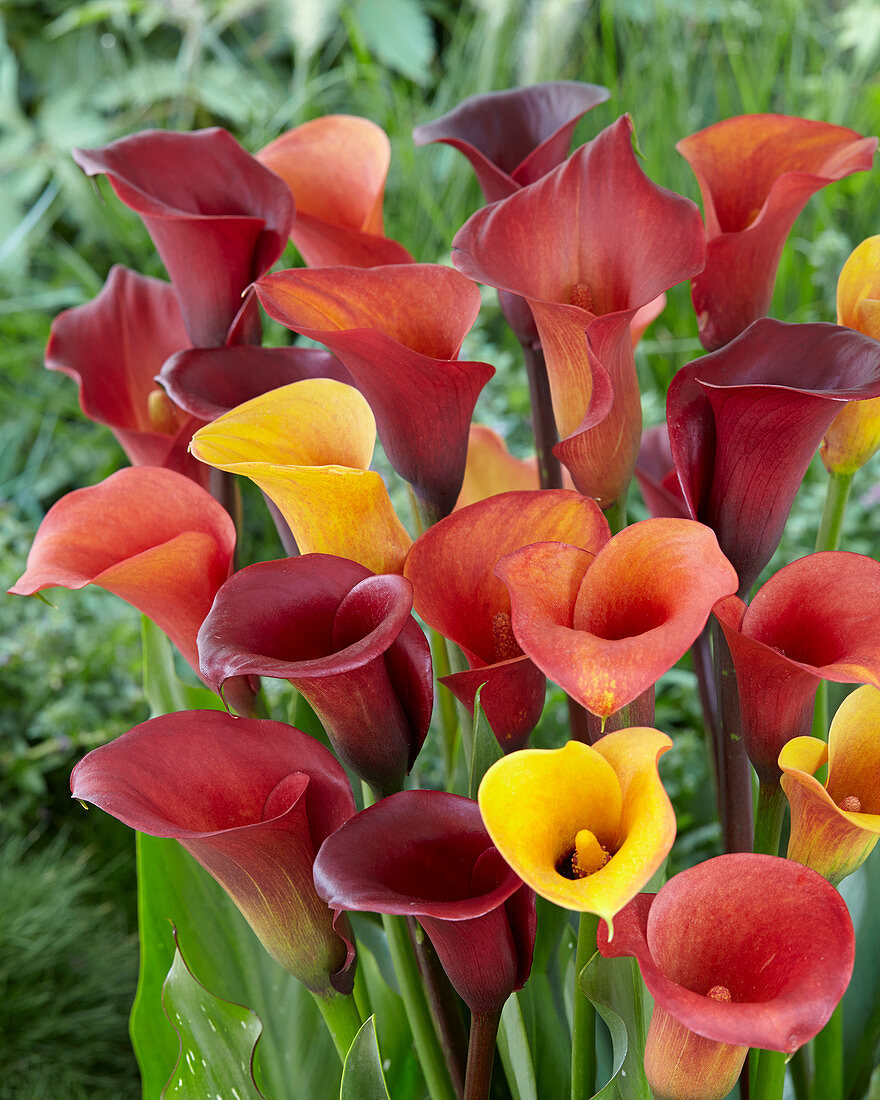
(535, 802)
(491, 468)
(832, 840)
(308, 446)
(854, 434)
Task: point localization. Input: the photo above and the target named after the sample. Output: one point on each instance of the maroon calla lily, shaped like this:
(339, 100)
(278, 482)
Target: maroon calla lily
(816, 619)
(252, 801)
(755, 173)
(113, 347)
(208, 382)
(745, 421)
(584, 288)
(346, 639)
(399, 330)
(740, 951)
(218, 218)
(426, 854)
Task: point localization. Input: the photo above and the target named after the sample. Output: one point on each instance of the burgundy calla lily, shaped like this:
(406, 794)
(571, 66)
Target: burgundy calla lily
(816, 619)
(113, 347)
(251, 801)
(426, 854)
(755, 173)
(346, 639)
(218, 218)
(740, 951)
(745, 421)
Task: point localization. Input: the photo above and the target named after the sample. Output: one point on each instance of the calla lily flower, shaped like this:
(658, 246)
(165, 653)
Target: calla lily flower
(740, 951)
(455, 590)
(113, 347)
(336, 168)
(251, 801)
(606, 626)
(657, 476)
(308, 446)
(491, 469)
(426, 854)
(218, 218)
(634, 241)
(854, 435)
(815, 619)
(150, 536)
(745, 421)
(835, 825)
(755, 173)
(398, 330)
(585, 826)
(346, 639)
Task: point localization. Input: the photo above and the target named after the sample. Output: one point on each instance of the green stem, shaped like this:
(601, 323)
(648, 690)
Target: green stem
(583, 1029)
(342, 1019)
(425, 1038)
(616, 513)
(828, 1059)
(481, 1055)
(446, 703)
(768, 818)
(769, 1075)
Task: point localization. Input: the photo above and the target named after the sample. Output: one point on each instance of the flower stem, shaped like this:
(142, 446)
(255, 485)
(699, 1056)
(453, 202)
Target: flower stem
(342, 1019)
(445, 704)
(769, 1075)
(443, 1003)
(768, 819)
(616, 513)
(827, 1081)
(734, 772)
(583, 1031)
(543, 423)
(481, 1055)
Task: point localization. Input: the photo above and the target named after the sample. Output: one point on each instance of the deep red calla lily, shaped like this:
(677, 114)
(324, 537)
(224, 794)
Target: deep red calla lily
(250, 800)
(606, 626)
(634, 241)
(745, 421)
(346, 639)
(150, 536)
(218, 218)
(740, 951)
(816, 619)
(455, 590)
(755, 173)
(208, 382)
(426, 854)
(399, 330)
(113, 347)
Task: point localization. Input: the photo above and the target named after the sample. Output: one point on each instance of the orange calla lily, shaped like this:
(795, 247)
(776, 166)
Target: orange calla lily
(491, 468)
(585, 826)
(308, 447)
(835, 825)
(854, 434)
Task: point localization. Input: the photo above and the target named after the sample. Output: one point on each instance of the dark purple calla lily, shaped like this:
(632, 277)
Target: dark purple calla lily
(218, 218)
(251, 801)
(426, 854)
(745, 421)
(346, 639)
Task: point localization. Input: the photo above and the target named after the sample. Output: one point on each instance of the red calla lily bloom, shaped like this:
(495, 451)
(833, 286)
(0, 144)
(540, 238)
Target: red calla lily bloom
(816, 619)
(399, 330)
(251, 801)
(745, 421)
(336, 168)
(346, 639)
(455, 590)
(113, 347)
(218, 218)
(150, 536)
(634, 241)
(606, 626)
(427, 854)
(740, 951)
(755, 173)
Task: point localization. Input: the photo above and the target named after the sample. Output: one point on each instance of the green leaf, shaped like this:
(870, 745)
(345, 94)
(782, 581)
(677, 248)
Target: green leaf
(513, 1048)
(615, 988)
(861, 1002)
(362, 1077)
(486, 749)
(217, 1039)
(398, 33)
(164, 690)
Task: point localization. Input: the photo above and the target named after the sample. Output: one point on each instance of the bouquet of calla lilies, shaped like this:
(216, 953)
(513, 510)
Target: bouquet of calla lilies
(412, 871)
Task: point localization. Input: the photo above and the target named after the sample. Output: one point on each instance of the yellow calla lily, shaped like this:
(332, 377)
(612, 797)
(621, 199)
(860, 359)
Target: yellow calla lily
(308, 446)
(585, 826)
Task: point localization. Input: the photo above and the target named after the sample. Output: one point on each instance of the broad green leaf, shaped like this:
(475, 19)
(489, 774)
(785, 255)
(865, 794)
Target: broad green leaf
(217, 1039)
(513, 1049)
(485, 748)
(615, 988)
(542, 1001)
(861, 1002)
(362, 1077)
(398, 33)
